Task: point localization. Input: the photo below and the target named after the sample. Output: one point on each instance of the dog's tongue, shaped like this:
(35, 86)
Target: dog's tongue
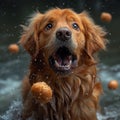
(63, 63)
(66, 60)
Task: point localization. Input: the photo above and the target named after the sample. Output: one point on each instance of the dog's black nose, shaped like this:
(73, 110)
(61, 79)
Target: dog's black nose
(63, 34)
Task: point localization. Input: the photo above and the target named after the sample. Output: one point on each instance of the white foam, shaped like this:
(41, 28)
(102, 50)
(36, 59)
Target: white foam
(14, 112)
(9, 85)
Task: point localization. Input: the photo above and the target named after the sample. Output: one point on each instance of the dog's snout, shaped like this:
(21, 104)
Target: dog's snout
(63, 34)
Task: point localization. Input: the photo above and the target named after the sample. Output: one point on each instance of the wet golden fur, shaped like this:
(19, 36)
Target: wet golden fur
(76, 95)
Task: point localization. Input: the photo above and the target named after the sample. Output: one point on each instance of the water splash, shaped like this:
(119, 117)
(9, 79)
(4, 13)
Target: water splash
(110, 101)
(14, 112)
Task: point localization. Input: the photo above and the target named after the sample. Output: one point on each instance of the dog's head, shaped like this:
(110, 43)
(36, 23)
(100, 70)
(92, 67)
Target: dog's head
(66, 39)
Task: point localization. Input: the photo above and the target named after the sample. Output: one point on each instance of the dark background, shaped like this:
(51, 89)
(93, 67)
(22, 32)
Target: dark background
(16, 12)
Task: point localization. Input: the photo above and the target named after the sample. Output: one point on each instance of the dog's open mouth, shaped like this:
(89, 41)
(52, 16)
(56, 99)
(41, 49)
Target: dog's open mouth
(63, 60)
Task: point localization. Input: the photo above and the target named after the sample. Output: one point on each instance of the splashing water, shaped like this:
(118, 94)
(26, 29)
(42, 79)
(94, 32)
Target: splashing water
(110, 101)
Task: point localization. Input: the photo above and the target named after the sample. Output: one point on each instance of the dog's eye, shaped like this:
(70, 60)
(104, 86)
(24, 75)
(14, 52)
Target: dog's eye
(75, 26)
(48, 26)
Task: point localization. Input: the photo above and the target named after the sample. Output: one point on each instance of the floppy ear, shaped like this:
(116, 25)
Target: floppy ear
(30, 36)
(94, 35)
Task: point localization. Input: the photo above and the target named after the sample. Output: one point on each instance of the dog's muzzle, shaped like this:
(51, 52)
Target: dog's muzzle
(63, 60)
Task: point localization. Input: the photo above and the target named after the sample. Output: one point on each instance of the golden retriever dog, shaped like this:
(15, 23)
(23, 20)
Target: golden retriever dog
(63, 46)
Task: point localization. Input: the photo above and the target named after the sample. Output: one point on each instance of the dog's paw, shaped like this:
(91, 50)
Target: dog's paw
(41, 92)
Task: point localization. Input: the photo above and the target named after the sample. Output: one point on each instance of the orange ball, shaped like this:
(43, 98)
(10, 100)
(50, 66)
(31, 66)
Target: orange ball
(41, 92)
(106, 17)
(113, 84)
(13, 48)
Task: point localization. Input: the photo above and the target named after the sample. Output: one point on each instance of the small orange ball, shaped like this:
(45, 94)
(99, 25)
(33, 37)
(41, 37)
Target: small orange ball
(13, 48)
(106, 17)
(113, 84)
(41, 92)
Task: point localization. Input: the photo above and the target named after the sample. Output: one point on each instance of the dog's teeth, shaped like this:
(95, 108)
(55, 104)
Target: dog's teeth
(64, 67)
(57, 64)
(67, 66)
(70, 62)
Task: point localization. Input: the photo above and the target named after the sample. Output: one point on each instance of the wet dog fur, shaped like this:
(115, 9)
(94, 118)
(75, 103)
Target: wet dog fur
(63, 46)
